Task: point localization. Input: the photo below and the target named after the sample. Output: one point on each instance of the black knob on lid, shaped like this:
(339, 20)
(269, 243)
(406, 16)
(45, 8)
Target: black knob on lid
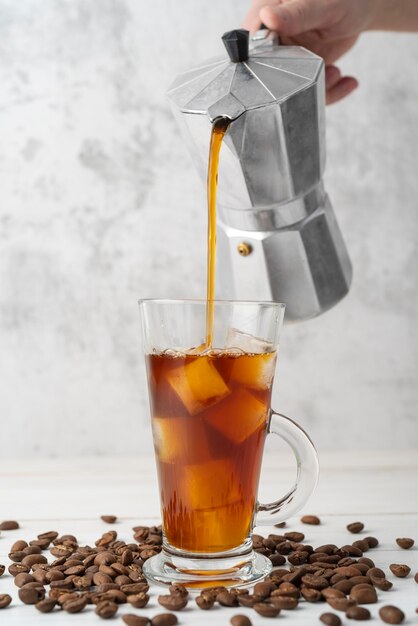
(236, 44)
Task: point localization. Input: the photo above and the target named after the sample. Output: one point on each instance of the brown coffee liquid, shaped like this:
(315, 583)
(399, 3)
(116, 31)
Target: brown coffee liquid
(219, 128)
(209, 419)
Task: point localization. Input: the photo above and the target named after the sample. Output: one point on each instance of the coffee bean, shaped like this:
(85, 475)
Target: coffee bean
(363, 594)
(226, 598)
(263, 590)
(313, 520)
(372, 541)
(330, 592)
(46, 605)
(204, 602)
(109, 519)
(51, 535)
(135, 620)
(18, 546)
(106, 609)
(330, 619)
(75, 605)
(134, 588)
(33, 559)
(381, 583)
(5, 600)
(416, 577)
(266, 610)
(361, 545)
(247, 601)
(311, 595)
(240, 620)
(277, 559)
(284, 602)
(293, 536)
(405, 543)
(9, 525)
(340, 604)
(139, 600)
(22, 579)
(355, 527)
(358, 613)
(176, 602)
(280, 525)
(391, 615)
(177, 588)
(30, 595)
(315, 582)
(298, 558)
(2, 569)
(399, 570)
(164, 619)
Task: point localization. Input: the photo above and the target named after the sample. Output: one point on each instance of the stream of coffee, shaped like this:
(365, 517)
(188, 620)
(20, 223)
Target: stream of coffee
(219, 128)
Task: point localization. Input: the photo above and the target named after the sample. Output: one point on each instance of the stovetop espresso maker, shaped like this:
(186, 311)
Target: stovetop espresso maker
(277, 236)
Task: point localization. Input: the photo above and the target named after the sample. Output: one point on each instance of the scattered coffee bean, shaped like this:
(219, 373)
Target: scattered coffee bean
(226, 598)
(340, 604)
(18, 546)
(263, 590)
(358, 613)
(363, 594)
(75, 605)
(399, 570)
(391, 615)
(416, 577)
(5, 600)
(240, 620)
(293, 536)
(135, 620)
(22, 579)
(311, 595)
(31, 595)
(16, 568)
(405, 543)
(372, 541)
(46, 605)
(266, 610)
(106, 609)
(9, 525)
(33, 559)
(330, 619)
(109, 519)
(176, 602)
(2, 569)
(138, 600)
(277, 559)
(280, 525)
(164, 619)
(204, 602)
(313, 520)
(284, 602)
(355, 527)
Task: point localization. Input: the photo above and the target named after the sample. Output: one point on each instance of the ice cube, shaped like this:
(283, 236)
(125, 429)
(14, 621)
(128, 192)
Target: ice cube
(177, 439)
(247, 342)
(255, 371)
(211, 484)
(238, 416)
(198, 384)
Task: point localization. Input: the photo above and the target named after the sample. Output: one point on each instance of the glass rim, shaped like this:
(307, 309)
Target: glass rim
(270, 303)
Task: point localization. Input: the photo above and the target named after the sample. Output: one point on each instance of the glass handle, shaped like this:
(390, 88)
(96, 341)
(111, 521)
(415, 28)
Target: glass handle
(306, 476)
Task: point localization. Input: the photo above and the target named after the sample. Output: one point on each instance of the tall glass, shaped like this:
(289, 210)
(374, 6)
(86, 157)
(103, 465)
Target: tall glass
(210, 411)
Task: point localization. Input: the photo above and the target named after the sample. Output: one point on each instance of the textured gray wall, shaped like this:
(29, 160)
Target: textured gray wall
(100, 205)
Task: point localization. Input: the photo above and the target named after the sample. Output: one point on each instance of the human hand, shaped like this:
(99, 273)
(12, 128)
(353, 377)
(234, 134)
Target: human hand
(327, 27)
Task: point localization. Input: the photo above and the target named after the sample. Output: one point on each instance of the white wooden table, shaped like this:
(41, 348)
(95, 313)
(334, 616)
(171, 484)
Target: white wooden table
(379, 489)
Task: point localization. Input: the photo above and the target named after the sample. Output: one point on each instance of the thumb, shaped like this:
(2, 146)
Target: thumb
(294, 17)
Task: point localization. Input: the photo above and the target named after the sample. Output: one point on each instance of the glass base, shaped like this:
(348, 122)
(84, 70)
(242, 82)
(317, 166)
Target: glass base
(200, 573)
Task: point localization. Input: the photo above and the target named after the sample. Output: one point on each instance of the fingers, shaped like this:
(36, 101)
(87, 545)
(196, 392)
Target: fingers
(252, 21)
(295, 16)
(338, 88)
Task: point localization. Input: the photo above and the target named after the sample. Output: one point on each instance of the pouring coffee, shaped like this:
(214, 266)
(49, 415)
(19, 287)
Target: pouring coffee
(277, 235)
